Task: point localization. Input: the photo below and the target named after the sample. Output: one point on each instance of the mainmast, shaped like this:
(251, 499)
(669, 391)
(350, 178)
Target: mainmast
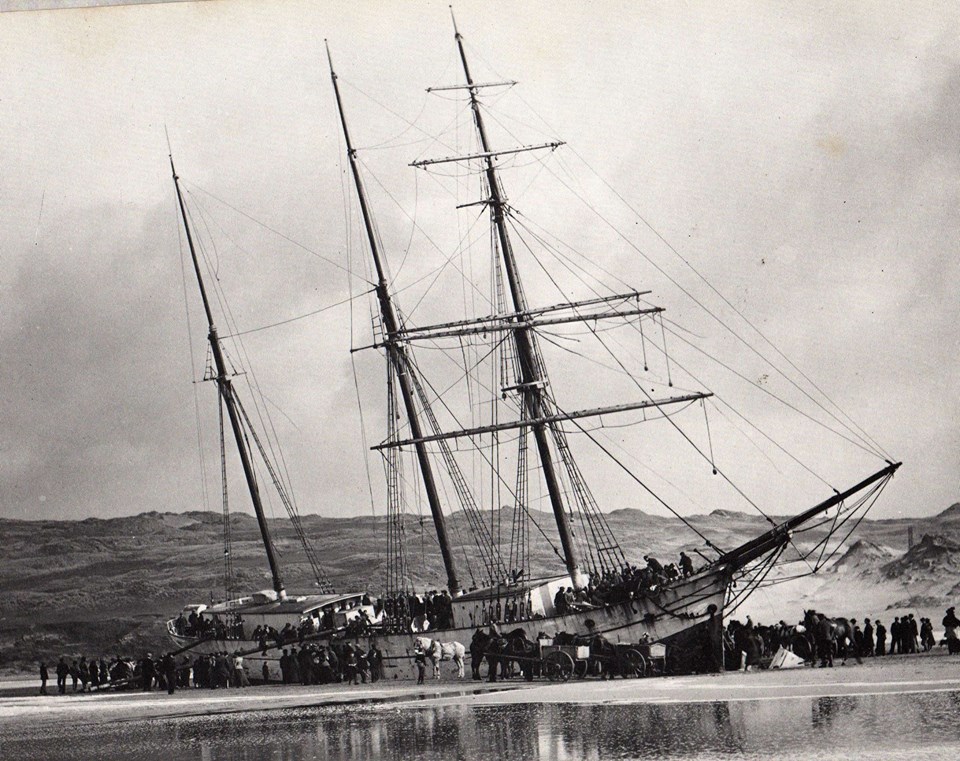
(225, 387)
(533, 380)
(397, 355)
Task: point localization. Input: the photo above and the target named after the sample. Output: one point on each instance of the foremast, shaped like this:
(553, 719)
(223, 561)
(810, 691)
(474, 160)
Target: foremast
(397, 355)
(227, 395)
(533, 379)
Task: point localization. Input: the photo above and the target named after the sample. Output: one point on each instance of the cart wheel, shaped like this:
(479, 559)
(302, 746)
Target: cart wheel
(581, 669)
(632, 663)
(558, 666)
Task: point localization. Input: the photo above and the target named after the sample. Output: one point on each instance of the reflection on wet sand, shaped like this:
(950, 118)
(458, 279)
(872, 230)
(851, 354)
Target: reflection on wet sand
(827, 727)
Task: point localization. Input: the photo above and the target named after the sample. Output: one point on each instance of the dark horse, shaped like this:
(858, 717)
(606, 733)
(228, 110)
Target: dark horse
(478, 651)
(831, 636)
(500, 651)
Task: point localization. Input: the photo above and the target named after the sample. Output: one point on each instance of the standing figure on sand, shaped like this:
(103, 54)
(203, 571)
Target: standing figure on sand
(830, 636)
(438, 652)
(951, 631)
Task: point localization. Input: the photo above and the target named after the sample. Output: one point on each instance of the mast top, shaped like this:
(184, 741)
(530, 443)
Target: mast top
(326, 44)
(454, 19)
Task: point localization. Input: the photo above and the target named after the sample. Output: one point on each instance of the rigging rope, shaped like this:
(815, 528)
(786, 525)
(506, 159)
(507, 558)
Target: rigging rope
(193, 368)
(303, 316)
(227, 544)
(877, 451)
(323, 581)
(270, 229)
(688, 439)
(646, 488)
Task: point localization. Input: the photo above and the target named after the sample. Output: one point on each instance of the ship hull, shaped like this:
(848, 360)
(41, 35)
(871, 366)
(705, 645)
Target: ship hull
(686, 616)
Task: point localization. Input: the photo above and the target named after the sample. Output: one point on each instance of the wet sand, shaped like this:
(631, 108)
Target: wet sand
(932, 672)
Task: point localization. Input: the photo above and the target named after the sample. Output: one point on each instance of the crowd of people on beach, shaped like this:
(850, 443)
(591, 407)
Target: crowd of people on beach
(310, 664)
(305, 661)
(905, 636)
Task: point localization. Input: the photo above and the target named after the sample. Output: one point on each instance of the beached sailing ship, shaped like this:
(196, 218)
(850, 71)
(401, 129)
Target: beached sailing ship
(606, 595)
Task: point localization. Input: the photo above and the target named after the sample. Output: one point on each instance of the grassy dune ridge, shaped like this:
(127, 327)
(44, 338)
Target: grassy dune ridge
(103, 586)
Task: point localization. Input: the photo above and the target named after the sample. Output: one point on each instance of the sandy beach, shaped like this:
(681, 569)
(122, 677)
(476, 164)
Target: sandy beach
(933, 672)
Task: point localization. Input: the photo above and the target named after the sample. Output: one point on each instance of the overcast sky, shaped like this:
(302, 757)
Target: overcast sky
(804, 157)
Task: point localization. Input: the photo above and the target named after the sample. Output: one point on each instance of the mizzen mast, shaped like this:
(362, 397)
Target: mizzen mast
(225, 388)
(397, 355)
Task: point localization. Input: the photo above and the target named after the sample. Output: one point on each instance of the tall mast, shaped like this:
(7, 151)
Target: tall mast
(532, 379)
(397, 355)
(225, 387)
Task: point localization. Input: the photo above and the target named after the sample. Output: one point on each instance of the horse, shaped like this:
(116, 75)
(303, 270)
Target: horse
(478, 651)
(831, 636)
(438, 651)
(518, 648)
(500, 651)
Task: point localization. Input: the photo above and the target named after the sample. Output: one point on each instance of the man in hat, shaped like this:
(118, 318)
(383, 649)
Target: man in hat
(147, 672)
(63, 670)
(867, 648)
(951, 625)
(420, 659)
(881, 639)
(560, 602)
(656, 568)
(169, 667)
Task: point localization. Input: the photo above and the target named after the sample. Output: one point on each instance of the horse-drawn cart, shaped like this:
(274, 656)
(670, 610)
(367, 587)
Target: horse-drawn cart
(655, 655)
(560, 662)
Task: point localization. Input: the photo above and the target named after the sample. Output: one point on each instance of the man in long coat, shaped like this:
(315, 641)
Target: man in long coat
(881, 639)
(867, 648)
(63, 670)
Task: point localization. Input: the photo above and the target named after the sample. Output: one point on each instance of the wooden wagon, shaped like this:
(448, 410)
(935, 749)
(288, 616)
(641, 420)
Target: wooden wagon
(560, 662)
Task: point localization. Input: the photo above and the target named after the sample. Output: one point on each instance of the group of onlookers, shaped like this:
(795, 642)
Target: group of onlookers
(84, 675)
(405, 612)
(906, 635)
(336, 662)
(230, 626)
(612, 586)
(310, 664)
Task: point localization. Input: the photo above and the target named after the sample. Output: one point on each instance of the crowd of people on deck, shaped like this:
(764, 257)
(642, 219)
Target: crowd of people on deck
(611, 587)
(432, 610)
(230, 626)
(307, 662)
(403, 613)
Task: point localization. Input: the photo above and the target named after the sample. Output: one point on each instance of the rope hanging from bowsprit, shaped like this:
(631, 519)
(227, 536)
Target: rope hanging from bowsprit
(706, 419)
(666, 355)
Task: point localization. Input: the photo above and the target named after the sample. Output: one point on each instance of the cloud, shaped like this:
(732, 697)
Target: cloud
(803, 163)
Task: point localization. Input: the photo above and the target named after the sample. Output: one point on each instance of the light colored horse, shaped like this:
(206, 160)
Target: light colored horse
(438, 651)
